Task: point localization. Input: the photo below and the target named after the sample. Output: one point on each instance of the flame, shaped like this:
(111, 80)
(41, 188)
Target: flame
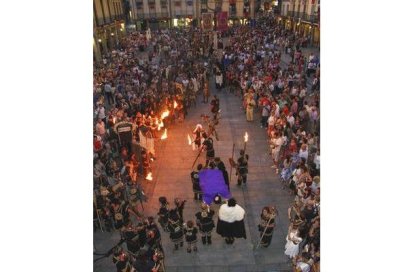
(114, 120)
(189, 139)
(246, 137)
(160, 125)
(149, 176)
(175, 104)
(165, 114)
(164, 135)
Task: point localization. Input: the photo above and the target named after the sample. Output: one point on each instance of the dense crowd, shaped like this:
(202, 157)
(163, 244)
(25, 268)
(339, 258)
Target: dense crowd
(286, 94)
(137, 98)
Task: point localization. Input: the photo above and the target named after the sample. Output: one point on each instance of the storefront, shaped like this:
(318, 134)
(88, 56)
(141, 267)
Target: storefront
(182, 22)
(107, 38)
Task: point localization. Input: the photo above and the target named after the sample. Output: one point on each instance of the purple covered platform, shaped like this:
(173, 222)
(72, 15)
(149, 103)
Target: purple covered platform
(212, 184)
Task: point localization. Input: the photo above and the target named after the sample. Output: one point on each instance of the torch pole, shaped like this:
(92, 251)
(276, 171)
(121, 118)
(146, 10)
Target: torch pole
(231, 167)
(199, 153)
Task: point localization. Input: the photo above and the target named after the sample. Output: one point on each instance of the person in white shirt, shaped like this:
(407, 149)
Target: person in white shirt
(291, 119)
(100, 128)
(303, 152)
(317, 159)
(101, 112)
(219, 81)
(276, 144)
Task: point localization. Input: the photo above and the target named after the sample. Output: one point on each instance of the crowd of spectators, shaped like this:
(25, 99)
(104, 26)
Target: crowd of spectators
(264, 65)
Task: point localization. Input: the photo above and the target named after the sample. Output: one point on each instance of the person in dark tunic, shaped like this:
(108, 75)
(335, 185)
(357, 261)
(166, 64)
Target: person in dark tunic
(143, 263)
(208, 146)
(222, 167)
(120, 213)
(242, 168)
(163, 213)
(198, 194)
(153, 233)
(122, 261)
(179, 205)
(215, 106)
(267, 225)
(191, 236)
(205, 223)
(230, 223)
(131, 237)
(175, 228)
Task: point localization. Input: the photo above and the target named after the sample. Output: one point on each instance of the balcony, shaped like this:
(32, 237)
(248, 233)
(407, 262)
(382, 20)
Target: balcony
(153, 15)
(102, 21)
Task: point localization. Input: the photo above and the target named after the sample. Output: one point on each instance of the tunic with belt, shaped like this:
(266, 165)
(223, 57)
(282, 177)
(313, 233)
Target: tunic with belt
(205, 221)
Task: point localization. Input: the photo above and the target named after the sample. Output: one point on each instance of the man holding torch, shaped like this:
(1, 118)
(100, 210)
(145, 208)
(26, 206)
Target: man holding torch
(242, 170)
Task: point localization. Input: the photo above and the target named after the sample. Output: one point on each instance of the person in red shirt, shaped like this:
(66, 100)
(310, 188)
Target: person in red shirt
(285, 110)
(97, 143)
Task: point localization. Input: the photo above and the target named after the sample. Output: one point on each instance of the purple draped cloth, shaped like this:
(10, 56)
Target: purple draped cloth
(212, 184)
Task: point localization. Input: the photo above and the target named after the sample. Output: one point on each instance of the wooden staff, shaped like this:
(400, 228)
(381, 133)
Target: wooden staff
(272, 216)
(199, 153)
(231, 166)
(264, 231)
(97, 212)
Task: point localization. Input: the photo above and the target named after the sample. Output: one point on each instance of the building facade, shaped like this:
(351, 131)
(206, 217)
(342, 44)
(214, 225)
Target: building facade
(108, 26)
(302, 16)
(156, 14)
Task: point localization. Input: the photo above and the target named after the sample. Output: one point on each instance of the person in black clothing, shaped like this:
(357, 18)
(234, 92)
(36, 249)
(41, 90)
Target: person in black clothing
(267, 225)
(175, 228)
(131, 237)
(208, 146)
(242, 170)
(191, 236)
(120, 213)
(153, 233)
(198, 194)
(220, 165)
(163, 213)
(122, 261)
(144, 264)
(215, 106)
(179, 205)
(205, 223)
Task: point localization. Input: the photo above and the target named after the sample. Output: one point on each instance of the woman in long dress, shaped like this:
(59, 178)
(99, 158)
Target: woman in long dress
(293, 241)
(267, 225)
